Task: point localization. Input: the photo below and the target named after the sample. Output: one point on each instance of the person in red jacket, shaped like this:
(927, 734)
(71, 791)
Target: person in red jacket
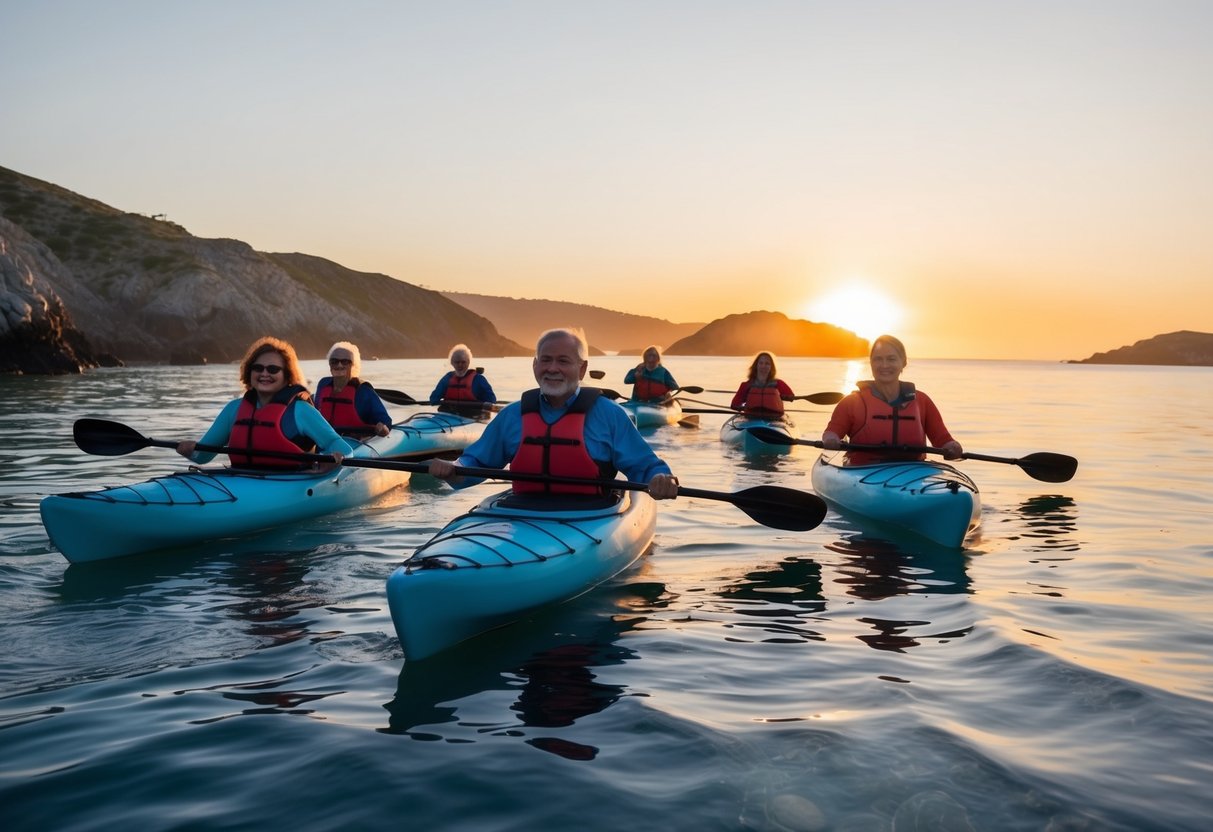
(888, 411)
(763, 393)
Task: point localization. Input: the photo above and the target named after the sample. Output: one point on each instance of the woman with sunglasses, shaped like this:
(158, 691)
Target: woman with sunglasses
(275, 414)
(350, 404)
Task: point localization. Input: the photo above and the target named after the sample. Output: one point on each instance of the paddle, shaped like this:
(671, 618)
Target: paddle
(814, 398)
(396, 396)
(732, 412)
(770, 505)
(1043, 466)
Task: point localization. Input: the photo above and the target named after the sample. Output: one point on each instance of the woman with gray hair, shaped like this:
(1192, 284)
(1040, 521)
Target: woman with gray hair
(463, 390)
(350, 404)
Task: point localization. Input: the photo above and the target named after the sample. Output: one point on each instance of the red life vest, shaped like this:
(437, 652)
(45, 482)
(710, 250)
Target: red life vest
(885, 424)
(260, 429)
(460, 389)
(338, 408)
(557, 449)
(763, 398)
(647, 389)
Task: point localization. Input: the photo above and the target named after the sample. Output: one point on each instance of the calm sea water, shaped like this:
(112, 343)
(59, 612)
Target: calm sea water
(1056, 674)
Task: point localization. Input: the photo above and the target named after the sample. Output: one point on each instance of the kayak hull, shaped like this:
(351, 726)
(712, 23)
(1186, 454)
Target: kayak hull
(653, 414)
(501, 560)
(928, 498)
(735, 433)
(190, 507)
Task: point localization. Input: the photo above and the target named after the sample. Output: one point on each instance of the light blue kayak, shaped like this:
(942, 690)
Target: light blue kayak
(200, 504)
(509, 556)
(736, 433)
(654, 414)
(931, 499)
(427, 434)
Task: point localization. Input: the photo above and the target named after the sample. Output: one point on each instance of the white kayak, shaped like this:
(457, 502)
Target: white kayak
(511, 555)
(736, 432)
(931, 499)
(201, 504)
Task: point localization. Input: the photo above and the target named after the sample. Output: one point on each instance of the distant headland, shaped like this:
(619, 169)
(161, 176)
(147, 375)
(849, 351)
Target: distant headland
(1183, 349)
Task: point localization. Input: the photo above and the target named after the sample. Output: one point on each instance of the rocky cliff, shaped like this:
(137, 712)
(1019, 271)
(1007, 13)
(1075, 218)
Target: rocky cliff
(98, 281)
(747, 333)
(1184, 348)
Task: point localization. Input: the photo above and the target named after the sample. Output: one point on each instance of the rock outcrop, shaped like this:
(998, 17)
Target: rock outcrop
(145, 290)
(36, 332)
(1184, 348)
(750, 332)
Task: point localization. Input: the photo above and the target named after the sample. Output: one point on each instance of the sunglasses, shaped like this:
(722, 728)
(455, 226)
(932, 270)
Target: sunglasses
(272, 369)
(340, 362)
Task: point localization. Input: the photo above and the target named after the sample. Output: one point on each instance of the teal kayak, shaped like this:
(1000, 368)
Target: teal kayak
(736, 432)
(201, 504)
(931, 499)
(653, 414)
(511, 555)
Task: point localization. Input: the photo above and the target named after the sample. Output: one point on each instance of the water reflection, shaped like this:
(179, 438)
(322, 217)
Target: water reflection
(780, 599)
(548, 662)
(877, 570)
(1049, 523)
(264, 589)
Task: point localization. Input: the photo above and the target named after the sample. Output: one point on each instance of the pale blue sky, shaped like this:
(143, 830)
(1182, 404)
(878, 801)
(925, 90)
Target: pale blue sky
(1022, 179)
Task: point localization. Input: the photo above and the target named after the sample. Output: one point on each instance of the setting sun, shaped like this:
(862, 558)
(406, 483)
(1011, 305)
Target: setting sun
(857, 307)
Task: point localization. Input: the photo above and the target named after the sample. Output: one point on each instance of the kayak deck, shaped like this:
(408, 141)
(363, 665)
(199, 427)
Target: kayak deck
(929, 498)
(653, 414)
(735, 432)
(200, 504)
(508, 556)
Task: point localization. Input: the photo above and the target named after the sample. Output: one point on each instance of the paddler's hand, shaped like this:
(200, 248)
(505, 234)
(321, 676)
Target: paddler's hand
(337, 457)
(443, 469)
(186, 448)
(952, 450)
(382, 429)
(663, 487)
(830, 441)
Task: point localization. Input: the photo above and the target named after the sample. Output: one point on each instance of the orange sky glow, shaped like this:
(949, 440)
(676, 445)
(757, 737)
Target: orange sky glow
(1030, 180)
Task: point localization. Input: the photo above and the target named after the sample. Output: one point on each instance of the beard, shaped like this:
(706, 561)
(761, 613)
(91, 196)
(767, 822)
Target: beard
(557, 387)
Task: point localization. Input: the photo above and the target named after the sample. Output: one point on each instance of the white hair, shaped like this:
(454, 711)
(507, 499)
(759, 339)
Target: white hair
(576, 334)
(463, 348)
(356, 367)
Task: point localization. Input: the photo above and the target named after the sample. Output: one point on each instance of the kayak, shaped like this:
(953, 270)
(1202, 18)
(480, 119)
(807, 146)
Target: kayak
(428, 434)
(929, 498)
(735, 431)
(653, 414)
(200, 504)
(508, 556)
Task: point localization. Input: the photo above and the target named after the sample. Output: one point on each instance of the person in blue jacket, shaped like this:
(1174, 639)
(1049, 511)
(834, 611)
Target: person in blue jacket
(650, 380)
(350, 404)
(597, 435)
(463, 390)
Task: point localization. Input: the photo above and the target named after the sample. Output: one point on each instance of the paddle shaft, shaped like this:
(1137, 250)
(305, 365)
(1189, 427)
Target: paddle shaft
(1044, 465)
(782, 508)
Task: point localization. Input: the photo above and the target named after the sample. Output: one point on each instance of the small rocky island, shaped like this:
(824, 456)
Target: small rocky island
(1183, 349)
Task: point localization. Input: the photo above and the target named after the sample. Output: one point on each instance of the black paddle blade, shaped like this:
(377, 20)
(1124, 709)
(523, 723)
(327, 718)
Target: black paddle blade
(1049, 467)
(773, 437)
(395, 396)
(781, 508)
(823, 398)
(104, 438)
